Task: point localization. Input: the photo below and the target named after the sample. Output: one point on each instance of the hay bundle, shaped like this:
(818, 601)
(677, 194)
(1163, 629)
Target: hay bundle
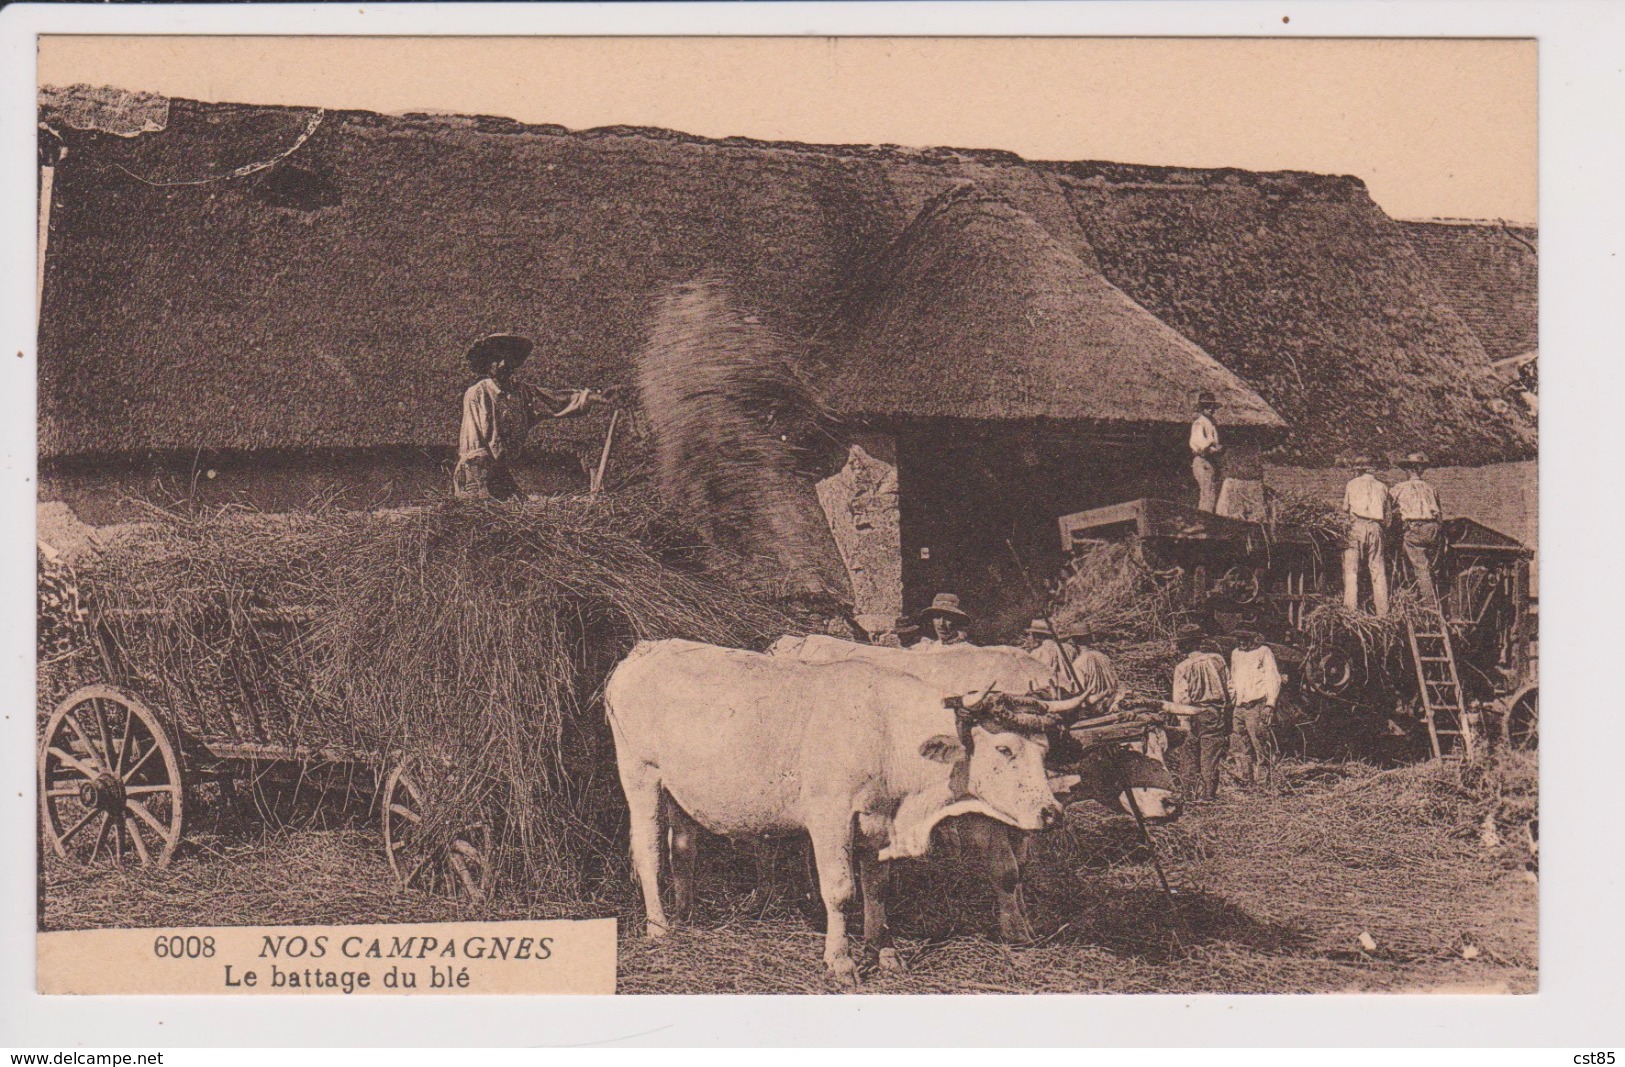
(1111, 592)
(473, 638)
(738, 438)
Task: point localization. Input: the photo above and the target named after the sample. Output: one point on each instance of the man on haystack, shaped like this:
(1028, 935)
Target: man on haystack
(1206, 453)
(498, 414)
(1365, 498)
(1201, 700)
(1421, 531)
(948, 622)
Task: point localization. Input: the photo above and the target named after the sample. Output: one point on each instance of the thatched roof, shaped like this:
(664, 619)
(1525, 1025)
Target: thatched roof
(1489, 272)
(197, 298)
(1302, 286)
(978, 313)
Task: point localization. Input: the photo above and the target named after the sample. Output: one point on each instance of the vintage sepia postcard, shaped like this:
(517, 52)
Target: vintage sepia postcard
(677, 515)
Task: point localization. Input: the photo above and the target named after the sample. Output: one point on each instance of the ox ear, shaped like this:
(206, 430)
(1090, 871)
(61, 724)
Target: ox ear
(942, 749)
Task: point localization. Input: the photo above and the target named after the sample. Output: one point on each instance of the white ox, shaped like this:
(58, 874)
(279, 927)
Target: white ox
(864, 759)
(1110, 775)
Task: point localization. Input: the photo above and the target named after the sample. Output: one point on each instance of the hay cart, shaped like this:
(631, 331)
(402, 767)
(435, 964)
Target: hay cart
(1464, 672)
(121, 760)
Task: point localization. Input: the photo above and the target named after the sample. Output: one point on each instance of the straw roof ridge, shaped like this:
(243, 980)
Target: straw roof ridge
(1489, 272)
(1315, 297)
(324, 302)
(939, 311)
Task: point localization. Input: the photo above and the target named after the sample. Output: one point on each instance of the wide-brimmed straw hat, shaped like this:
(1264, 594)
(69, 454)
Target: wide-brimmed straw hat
(487, 350)
(1415, 459)
(1189, 632)
(1205, 399)
(945, 604)
(1040, 628)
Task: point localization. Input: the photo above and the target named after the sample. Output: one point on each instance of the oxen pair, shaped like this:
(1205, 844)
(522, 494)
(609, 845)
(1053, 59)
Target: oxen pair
(863, 757)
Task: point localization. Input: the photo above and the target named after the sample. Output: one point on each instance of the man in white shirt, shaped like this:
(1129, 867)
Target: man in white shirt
(1206, 464)
(1365, 498)
(1255, 687)
(948, 622)
(1420, 516)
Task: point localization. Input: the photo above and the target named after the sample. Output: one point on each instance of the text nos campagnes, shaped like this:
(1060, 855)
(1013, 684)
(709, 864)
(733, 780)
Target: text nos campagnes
(355, 947)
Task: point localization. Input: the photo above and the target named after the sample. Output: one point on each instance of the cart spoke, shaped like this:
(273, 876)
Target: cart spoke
(406, 813)
(80, 825)
(133, 790)
(73, 761)
(460, 865)
(65, 791)
(101, 730)
(124, 741)
(84, 738)
(127, 775)
(135, 836)
(147, 817)
(118, 839)
(101, 835)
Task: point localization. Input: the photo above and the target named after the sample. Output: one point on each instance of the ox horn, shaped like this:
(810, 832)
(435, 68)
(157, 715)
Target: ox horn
(973, 700)
(1064, 706)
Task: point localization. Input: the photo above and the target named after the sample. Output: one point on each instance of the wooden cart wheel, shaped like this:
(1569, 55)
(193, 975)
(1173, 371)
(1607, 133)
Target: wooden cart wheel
(109, 781)
(1522, 722)
(433, 853)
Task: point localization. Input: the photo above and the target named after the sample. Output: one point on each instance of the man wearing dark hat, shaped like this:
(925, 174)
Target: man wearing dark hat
(1201, 699)
(1206, 449)
(947, 622)
(498, 414)
(1255, 689)
(1419, 514)
(1365, 498)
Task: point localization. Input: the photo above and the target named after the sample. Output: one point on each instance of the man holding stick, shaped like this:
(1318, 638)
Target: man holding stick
(499, 413)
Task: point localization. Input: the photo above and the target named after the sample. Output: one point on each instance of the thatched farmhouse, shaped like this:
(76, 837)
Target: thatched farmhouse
(264, 303)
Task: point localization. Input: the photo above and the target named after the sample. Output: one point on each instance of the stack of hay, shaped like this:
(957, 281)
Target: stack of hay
(472, 635)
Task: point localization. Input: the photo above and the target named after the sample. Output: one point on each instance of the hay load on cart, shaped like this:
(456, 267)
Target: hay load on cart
(1443, 678)
(448, 658)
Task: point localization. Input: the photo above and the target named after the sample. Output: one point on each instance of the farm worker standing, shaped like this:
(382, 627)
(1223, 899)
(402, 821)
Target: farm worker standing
(1419, 514)
(1365, 498)
(1201, 698)
(1206, 464)
(948, 621)
(498, 414)
(1255, 687)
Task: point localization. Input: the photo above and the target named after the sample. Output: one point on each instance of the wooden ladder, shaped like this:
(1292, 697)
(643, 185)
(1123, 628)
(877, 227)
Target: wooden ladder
(1438, 683)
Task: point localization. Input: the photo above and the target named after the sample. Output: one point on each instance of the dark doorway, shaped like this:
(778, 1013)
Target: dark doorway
(966, 488)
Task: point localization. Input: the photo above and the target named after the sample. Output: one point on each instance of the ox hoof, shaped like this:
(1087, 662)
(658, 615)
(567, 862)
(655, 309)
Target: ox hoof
(844, 971)
(891, 963)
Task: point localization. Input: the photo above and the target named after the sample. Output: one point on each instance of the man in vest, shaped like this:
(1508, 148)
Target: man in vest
(1206, 450)
(1201, 700)
(1365, 498)
(1421, 529)
(1093, 669)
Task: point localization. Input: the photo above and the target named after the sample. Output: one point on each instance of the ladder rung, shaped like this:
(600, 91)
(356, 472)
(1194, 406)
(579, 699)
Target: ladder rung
(1434, 659)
